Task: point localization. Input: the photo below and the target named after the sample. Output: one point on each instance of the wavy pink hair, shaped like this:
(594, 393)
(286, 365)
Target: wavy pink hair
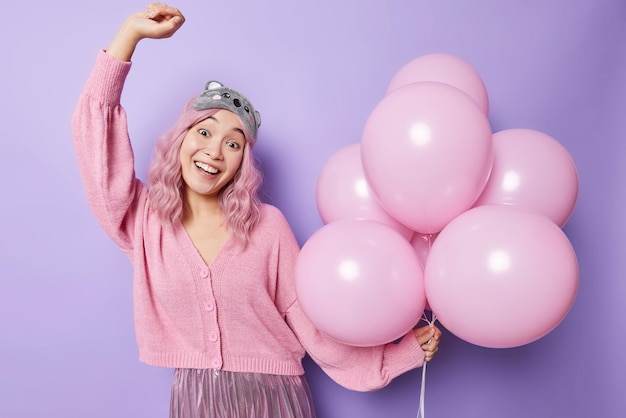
(238, 199)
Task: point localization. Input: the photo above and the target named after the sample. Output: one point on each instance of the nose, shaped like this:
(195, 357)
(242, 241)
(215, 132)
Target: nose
(214, 150)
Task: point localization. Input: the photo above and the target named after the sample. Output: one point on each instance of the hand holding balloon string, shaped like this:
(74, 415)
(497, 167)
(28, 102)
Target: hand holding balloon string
(428, 337)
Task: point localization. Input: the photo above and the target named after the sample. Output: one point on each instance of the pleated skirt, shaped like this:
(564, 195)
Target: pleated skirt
(208, 393)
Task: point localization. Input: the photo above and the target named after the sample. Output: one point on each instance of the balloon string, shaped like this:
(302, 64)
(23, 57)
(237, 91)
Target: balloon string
(430, 322)
(420, 411)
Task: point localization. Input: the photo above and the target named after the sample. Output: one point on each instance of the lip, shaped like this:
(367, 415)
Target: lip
(203, 167)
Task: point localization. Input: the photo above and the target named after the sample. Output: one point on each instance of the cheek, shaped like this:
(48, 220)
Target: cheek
(185, 155)
(236, 161)
(187, 147)
(182, 153)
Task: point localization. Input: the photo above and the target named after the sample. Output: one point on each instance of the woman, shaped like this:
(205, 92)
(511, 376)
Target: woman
(213, 266)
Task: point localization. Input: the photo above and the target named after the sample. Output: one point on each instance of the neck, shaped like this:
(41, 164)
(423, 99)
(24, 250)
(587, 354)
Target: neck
(202, 208)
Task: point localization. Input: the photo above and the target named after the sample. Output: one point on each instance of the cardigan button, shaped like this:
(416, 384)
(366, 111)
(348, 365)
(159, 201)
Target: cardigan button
(204, 272)
(212, 337)
(216, 363)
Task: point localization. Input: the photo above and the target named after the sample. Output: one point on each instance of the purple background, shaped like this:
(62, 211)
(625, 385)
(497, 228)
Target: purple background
(315, 70)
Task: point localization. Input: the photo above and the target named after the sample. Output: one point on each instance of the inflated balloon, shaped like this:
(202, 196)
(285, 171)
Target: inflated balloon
(427, 152)
(444, 68)
(360, 282)
(533, 170)
(421, 244)
(343, 193)
(501, 276)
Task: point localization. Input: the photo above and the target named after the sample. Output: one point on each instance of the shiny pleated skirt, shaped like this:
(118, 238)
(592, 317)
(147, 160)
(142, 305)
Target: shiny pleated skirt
(208, 393)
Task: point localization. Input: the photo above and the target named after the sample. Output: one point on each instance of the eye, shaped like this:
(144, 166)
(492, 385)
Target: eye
(203, 132)
(233, 145)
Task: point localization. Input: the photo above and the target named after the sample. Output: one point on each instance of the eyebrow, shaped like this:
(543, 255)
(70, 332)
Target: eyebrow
(234, 129)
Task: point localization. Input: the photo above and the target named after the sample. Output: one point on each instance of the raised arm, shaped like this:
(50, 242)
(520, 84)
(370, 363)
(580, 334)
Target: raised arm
(100, 129)
(157, 21)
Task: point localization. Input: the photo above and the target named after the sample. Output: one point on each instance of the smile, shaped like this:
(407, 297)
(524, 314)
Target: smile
(206, 168)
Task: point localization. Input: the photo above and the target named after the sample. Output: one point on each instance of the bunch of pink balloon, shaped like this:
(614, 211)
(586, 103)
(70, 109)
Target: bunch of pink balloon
(477, 216)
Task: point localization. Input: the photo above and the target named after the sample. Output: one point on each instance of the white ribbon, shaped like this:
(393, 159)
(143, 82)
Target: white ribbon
(420, 411)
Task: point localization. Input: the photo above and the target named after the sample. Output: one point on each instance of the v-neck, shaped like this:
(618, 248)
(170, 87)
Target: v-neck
(189, 249)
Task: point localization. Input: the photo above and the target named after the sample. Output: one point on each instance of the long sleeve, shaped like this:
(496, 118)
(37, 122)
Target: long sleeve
(356, 368)
(104, 152)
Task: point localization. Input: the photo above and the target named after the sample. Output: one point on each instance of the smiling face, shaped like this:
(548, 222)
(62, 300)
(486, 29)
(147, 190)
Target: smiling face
(211, 154)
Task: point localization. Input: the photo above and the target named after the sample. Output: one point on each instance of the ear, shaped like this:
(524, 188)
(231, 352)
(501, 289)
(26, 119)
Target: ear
(257, 116)
(213, 85)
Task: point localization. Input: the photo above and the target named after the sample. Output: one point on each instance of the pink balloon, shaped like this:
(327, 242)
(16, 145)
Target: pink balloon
(444, 68)
(343, 193)
(531, 169)
(427, 152)
(501, 276)
(421, 244)
(360, 282)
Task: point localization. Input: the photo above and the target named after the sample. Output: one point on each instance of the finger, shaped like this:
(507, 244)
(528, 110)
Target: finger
(161, 11)
(427, 348)
(429, 354)
(431, 345)
(435, 336)
(424, 334)
(154, 8)
(437, 332)
(164, 23)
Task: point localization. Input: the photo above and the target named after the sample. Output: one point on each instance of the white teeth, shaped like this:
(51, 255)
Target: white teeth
(206, 167)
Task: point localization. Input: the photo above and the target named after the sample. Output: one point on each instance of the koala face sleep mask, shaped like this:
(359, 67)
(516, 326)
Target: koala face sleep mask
(217, 96)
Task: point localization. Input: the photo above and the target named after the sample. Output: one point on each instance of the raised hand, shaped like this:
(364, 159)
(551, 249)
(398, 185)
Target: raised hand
(157, 21)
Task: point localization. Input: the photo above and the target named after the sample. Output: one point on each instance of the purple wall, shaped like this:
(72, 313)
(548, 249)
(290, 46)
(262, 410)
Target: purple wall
(315, 70)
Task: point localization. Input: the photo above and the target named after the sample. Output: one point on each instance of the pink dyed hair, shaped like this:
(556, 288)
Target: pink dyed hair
(238, 199)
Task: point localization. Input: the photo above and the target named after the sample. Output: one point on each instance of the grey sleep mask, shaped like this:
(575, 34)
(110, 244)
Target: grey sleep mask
(217, 96)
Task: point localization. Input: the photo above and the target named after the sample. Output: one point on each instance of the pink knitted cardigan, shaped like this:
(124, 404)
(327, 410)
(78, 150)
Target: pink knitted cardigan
(240, 313)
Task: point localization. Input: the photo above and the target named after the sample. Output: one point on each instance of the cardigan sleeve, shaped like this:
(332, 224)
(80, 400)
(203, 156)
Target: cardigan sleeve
(105, 156)
(355, 368)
